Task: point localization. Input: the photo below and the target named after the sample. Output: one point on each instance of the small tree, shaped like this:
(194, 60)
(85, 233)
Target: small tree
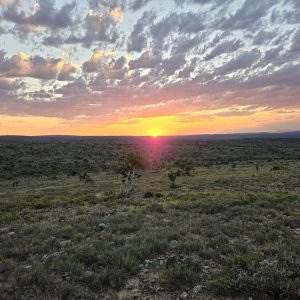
(128, 169)
(172, 176)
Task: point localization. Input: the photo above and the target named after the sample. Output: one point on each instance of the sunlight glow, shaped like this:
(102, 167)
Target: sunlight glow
(154, 132)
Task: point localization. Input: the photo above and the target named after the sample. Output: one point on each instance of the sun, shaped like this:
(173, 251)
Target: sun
(154, 132)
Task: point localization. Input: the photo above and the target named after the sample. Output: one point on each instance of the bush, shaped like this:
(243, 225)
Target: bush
(179, 276)
(148, 195)
(257, 274)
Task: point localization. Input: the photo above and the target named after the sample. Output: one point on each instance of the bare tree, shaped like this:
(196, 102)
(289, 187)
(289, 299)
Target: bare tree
(128, 169)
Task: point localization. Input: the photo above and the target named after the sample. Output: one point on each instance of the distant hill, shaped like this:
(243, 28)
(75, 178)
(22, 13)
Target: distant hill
(233, 136)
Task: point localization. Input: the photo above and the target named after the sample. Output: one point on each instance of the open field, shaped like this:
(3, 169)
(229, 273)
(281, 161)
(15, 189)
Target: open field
(228, 230)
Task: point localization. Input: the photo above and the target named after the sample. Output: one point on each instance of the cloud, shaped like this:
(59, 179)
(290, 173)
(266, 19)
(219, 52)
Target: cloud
(138, 4)
(96, 61)
(120, 63)
(97, 26)
(224, 47)
(192, 55)
(263, 37)
(247, 16)
(5, 2)
(63, 25)
(242, 61)
(286, 76)
(107, 4)
(272, 54)
(185, 44)
(138, 37)
(7, 84)
(202, 2)
(22, 65)
(295, 48)
(101, 26)
(77, 87)
(44, 14)
(146, 60)
(171, 65)
(183, 23)
(236, 112)
(188, 70)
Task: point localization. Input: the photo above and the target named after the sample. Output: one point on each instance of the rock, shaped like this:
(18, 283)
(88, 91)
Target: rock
(65, 243)
(102, 226)
(171, 260)
(27, 267)
(88, 273)
(197, 289)
(51, 255)
(155, 288)
(297, 230)
(147, 264)
(173, 243)
(183, 296)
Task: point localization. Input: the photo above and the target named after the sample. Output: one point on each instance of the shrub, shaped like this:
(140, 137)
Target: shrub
(180, 275)
(172, 175)
(148, 195)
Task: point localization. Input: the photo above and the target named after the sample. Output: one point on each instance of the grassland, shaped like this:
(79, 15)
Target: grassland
(229, 230)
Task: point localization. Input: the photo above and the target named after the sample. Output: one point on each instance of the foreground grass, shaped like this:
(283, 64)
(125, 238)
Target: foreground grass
(232, 230)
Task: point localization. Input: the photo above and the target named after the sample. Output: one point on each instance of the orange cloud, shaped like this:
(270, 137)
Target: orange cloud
(23, 65)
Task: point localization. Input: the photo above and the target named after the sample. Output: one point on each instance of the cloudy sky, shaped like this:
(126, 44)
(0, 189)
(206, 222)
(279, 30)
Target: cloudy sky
(117, 67)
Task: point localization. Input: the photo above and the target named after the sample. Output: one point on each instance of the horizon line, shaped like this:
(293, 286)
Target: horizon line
(175, 135)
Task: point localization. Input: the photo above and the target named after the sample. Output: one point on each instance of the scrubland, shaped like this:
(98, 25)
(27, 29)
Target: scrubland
(229, 230)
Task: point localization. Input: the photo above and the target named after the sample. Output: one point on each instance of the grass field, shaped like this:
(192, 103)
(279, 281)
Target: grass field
(228, 230)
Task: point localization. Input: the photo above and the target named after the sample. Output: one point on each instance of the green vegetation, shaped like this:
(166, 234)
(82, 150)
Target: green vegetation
(172, 175)
(224, 231)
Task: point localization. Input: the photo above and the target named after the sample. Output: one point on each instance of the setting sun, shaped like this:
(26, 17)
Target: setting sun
(154, 132)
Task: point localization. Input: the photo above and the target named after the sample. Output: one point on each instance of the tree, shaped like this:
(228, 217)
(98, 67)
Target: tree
(172, 176)
(128, 169)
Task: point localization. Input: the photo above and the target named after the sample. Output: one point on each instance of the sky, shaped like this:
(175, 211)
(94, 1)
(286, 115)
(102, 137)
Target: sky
(143, 67)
